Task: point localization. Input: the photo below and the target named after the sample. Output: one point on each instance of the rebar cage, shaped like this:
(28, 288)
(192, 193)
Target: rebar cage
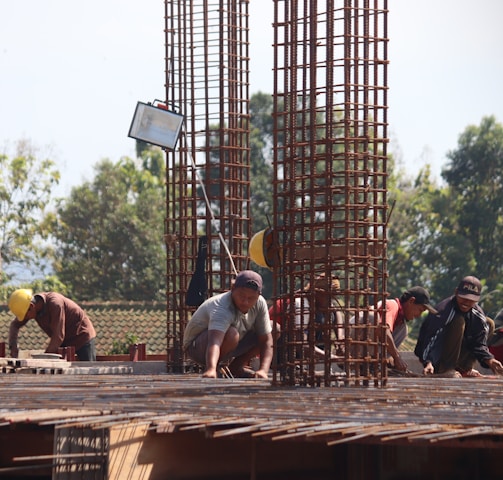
(330, 212)
(207, 79)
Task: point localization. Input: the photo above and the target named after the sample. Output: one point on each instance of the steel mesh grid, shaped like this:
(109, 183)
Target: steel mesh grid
(330, 170)
(330, 84)
(207, 79)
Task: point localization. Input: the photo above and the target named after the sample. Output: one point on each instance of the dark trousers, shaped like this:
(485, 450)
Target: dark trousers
(454, 353)
(87, 353)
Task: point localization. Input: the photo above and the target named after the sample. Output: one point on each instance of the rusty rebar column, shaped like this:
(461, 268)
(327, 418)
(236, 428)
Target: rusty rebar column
(207, 81)
(330, 199)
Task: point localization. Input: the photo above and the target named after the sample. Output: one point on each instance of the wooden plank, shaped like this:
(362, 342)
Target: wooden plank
(37, 363)
(126, 442)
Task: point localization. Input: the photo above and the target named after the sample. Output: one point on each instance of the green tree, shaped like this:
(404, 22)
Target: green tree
(261, 171)
(26, 185)
(475, 177)
(110, 233)
(425, 246)
(439, 234)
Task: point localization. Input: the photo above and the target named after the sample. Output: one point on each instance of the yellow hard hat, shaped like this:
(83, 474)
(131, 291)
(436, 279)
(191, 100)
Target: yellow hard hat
(260, 248)
(19, 302)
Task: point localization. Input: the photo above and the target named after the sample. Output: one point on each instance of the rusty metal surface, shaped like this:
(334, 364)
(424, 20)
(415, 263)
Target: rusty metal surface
(207, 80)
(330, 167)
(329, 91)
(439, 411)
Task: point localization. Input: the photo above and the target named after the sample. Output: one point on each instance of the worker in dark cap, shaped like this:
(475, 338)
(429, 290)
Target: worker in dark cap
(232, 327)
(451, 342)
(395, 314)
(411, 304)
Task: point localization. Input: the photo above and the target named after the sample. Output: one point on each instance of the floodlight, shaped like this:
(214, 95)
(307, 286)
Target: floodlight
(156, 124)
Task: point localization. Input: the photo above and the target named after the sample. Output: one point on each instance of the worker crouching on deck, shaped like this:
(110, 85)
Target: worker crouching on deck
(60, 318)
(232, 327)
(314, 299)
(450, 343)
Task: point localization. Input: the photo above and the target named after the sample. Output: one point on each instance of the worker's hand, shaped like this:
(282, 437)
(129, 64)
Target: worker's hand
(261, 374)
(210, 373)
(428, 369)
(495, 366)
(400, 365)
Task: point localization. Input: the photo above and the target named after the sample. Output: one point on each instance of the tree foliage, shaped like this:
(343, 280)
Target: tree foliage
(475, 176)
(424, 244)
(26, 184)
(438, 234)
(109, 233)
(261, 172)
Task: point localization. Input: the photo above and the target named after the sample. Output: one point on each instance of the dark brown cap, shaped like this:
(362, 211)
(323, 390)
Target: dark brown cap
(469, 288)
(422, 297)
(249, 279)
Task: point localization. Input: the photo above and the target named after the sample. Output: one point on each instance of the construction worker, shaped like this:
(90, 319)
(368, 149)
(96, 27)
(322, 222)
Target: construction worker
(313, 299)
(60, 318)
(394, 316)
(451, 342)
(232, 327)
(411, 304)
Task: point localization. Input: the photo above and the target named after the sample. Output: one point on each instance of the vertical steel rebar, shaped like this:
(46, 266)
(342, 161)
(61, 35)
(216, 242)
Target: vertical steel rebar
(207, 80)
(329, 188)
(329, 185)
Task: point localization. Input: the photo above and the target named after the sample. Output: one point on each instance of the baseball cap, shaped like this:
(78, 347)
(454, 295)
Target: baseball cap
(469, 288)
(422, 298)
(249, 279)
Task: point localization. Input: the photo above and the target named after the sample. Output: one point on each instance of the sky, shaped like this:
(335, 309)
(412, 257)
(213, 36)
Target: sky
(72, 73)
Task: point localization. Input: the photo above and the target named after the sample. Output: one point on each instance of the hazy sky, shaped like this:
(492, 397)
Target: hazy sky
(72, 72)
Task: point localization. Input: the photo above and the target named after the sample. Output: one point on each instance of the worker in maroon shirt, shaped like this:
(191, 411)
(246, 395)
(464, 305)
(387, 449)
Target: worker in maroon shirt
(60, 318)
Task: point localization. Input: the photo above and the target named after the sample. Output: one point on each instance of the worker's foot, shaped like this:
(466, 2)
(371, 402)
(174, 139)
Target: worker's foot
(451, 373)
(243, 373)
(472, 373)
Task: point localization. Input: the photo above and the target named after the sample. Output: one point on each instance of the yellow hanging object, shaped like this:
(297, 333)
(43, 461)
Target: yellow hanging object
(261, 249)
